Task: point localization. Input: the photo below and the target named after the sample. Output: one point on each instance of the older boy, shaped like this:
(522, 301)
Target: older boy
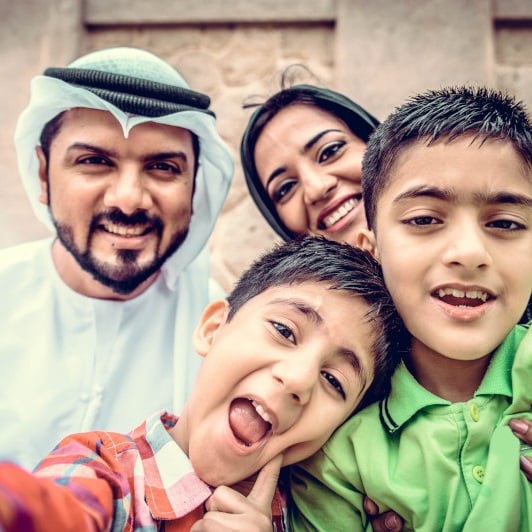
(307, 331)
(448, 195)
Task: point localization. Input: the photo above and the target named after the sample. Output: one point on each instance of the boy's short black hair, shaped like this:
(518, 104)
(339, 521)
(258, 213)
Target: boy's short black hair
(448, 113)
(341, 267)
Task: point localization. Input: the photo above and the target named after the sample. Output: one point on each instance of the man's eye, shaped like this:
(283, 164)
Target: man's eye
(284, 331)
(334, 382)
(94, 159)
(166, 167)
(330, 151)
(282, 190)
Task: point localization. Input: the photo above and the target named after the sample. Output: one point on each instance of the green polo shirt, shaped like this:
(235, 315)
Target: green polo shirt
(441, 466)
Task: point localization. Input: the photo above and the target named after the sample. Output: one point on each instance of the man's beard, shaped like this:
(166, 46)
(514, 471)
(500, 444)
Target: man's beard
(125, 277)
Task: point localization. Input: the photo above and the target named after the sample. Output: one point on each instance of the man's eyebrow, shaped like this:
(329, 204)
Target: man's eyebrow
(162, 156)
(308, 145)
(91, 148)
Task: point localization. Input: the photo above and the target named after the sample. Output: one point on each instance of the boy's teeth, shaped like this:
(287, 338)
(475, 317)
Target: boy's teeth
(340, 212)
(260, 411)
(470, 294)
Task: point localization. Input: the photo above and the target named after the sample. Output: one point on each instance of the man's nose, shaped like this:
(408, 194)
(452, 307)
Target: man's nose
(127, 191)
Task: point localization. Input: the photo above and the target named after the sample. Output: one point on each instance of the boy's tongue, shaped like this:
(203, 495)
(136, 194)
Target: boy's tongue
(246, 423)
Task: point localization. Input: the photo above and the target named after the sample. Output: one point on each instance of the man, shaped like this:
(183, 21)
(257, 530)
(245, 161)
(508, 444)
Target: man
(123, 162)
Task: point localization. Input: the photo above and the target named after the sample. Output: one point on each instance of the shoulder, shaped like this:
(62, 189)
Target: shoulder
(24, 255)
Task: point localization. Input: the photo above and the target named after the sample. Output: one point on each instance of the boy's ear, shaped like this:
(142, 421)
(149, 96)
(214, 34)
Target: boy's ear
(213, 317)
(44, 196)
(366, 240)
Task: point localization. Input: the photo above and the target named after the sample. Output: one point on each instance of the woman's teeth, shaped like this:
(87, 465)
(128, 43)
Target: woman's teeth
(339, 213)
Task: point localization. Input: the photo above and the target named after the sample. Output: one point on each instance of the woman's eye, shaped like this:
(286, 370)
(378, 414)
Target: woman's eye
(284, 331)
(282, 190)
(330, 151)
(334, 382)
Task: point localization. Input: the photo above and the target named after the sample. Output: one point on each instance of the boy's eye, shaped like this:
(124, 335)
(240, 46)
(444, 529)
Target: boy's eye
(334, 382)
(507, 225)
(422, 220)
(330, 151)
(284, 331)
(282, 190)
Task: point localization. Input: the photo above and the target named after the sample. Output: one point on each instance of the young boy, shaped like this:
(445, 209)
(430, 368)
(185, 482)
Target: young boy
(307, 332)
(448, 195)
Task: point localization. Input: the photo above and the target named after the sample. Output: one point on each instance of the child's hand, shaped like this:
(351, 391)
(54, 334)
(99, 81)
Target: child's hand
(386, 522)
(227, 509)
(523, 430)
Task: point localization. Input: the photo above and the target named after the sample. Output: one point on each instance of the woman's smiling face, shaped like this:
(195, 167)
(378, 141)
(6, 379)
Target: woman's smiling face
(309, 163)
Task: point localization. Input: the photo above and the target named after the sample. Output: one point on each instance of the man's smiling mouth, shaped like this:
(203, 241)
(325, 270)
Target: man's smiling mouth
(127, 231)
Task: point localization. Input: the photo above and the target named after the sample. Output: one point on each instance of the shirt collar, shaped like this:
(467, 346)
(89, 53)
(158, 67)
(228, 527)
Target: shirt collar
(172, 488)
(407, 396)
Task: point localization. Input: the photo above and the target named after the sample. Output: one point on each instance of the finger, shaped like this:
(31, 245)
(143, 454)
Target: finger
(387, 522)
(370, 507)
(263, 490)
(526, 466)
(225, 499)
(522, 429)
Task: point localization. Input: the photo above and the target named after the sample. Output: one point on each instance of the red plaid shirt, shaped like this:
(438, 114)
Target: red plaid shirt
(108, 481)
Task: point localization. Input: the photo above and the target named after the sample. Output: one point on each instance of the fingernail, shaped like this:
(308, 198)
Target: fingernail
(518, 426)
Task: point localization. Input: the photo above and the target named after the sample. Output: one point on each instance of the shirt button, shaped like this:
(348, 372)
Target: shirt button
(478, 474)
(474, 411)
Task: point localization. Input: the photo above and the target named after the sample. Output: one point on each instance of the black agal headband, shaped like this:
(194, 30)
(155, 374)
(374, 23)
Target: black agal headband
(134, 95)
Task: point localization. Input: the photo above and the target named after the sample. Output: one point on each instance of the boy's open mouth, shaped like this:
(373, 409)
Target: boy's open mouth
(248, 421)
(461, 298)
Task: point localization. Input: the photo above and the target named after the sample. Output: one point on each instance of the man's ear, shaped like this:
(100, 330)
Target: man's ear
(366, 240)
(213, 317)
(44, 196)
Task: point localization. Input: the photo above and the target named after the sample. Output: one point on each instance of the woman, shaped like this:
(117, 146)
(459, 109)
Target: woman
(301, 155)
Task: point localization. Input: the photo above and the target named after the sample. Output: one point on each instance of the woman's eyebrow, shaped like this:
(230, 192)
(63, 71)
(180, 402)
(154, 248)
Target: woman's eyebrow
(308, 145)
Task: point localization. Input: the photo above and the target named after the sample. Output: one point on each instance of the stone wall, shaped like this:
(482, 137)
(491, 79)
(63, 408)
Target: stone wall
(378, 52)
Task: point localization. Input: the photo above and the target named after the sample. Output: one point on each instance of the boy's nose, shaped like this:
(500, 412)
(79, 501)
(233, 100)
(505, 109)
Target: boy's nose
(317, 185)
(298, 376)
(467, 247)
(127, 192)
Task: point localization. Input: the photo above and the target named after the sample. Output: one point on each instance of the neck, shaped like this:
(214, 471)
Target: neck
(82, 282)
(450, 379)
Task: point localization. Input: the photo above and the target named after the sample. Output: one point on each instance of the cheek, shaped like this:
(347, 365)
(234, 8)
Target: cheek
(293, 215)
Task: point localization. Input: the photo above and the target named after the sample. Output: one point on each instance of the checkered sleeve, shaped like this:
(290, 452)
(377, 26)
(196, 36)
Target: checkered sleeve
(79, 486)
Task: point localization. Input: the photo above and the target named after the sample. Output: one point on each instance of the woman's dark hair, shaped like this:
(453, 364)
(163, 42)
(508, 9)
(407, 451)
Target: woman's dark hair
(359, 121)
